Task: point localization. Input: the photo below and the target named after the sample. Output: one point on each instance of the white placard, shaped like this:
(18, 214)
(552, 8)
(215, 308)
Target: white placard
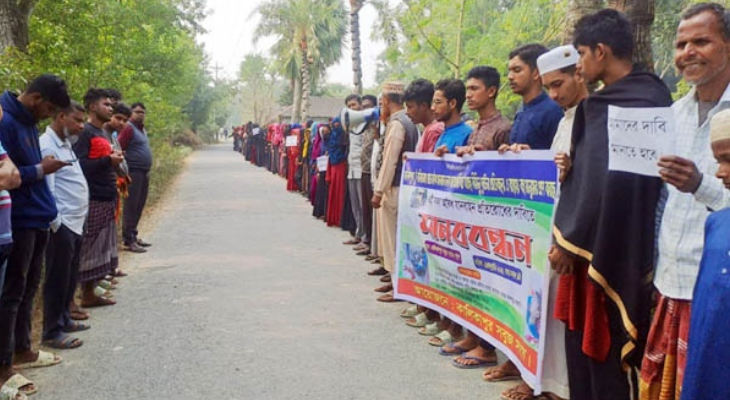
(637, 137)
(322, 163)
(291, 141)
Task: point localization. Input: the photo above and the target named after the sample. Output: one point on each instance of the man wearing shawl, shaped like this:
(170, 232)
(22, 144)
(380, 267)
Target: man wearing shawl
(709, 333)
(701, 55)
(605, 223)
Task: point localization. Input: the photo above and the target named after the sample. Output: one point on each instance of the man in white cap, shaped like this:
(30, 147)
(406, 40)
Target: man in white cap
(707, 352)
(566, 87)
(701, 55)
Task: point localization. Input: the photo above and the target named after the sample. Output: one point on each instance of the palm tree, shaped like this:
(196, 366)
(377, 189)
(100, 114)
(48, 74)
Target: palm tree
(641, 15)
(355, 6)
(576, 10)
(310, 34)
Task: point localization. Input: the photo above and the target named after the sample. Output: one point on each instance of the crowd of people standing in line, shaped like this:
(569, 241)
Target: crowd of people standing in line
(62, 195)
(633, 256)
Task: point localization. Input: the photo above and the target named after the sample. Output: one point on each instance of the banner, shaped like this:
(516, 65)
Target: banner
(472, 243)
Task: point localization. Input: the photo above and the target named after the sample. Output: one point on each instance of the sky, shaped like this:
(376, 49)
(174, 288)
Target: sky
(230, 26)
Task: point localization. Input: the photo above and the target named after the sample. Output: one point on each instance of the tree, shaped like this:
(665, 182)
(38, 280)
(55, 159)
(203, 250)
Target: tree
(309, 31)
(14, 19)
(355, 6)
(576, 10)
(641, 15)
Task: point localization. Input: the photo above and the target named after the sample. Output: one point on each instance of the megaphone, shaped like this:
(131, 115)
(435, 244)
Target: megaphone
(355, 121)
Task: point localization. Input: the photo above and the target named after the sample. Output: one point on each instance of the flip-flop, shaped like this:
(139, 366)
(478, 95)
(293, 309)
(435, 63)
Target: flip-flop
(481, 362)
(501, 376)
(430, 329)
(18, 382)
(419, 321)
(119, 273)
(76, 327)
(409, 312)
(45, 359)
(63, 342)
(458, 350)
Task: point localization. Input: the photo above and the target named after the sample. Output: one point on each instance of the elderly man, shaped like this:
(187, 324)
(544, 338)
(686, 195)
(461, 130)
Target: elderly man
(701, 55)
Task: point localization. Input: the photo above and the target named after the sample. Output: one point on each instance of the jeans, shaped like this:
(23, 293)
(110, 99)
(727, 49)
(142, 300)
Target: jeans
(22, 276)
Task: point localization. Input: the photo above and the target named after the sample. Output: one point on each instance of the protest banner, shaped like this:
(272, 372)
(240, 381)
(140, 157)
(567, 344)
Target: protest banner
(637, 137)
(322, 162)
(472, 243)
(291, 141)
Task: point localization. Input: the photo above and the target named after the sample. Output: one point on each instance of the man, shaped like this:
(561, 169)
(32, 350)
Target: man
(448, 100)
(400, 136)
(418, 97)
(566, 87)
(605, 258)
(535, 124)
(493, 129)
(708, 351)
(354, 179)
(99, 161)
(31, 215)
(71, 193)
(701, 56)
(136, 146)
(366, 159)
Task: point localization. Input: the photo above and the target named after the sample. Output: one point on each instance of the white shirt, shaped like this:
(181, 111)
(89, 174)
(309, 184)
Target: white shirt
(681, 234)
(354, 157)
(68, 185)
(564, 134)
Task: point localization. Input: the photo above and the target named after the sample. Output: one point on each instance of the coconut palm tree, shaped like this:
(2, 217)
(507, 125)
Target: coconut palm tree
(355, 6)
(310, 34)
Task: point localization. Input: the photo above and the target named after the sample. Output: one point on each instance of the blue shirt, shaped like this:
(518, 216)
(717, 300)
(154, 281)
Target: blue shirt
(537, 122)
(707, 369)
(454, 135)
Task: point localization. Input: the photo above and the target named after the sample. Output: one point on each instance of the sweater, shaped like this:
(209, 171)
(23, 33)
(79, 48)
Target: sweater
(33, 203)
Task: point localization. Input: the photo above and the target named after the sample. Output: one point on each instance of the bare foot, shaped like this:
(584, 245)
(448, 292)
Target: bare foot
(519, 392)
(466, 344)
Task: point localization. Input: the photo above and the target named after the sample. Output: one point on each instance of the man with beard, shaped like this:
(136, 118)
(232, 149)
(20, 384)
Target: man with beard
(401, 136)
(605, 223)
(701, 55)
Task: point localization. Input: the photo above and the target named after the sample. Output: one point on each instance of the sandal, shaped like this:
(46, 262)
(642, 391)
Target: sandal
(442, 338)
(76, 327)
(430, 329)
(480, 362)
(77, 315)
(8, 393)
(409, 312)
(119, 273)
(63, 342)
(45, 359)
(108, 285)
(497, 374)
(19, 382)
(419, 321)
(452, 349)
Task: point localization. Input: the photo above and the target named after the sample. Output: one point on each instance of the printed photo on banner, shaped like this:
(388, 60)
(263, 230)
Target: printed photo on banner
(472, 243)
(637, 137)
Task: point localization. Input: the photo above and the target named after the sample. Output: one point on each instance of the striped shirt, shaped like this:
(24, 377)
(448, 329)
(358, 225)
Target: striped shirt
(6, 232)
(681, 235)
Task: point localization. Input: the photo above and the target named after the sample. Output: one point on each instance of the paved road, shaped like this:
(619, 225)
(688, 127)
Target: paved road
(245, 296)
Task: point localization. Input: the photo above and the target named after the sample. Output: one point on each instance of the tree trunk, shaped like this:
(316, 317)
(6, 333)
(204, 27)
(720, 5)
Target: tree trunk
(641, 15)
(305, 82)
(355, 6)
(14, 16)
(296, 111)
(576, 10)
(457, 68)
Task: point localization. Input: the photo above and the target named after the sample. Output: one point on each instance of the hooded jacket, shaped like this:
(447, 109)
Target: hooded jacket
(33, 203)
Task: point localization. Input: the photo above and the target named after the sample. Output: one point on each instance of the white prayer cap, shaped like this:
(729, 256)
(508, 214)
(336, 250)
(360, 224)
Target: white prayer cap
(557, 58)
(720, 126)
